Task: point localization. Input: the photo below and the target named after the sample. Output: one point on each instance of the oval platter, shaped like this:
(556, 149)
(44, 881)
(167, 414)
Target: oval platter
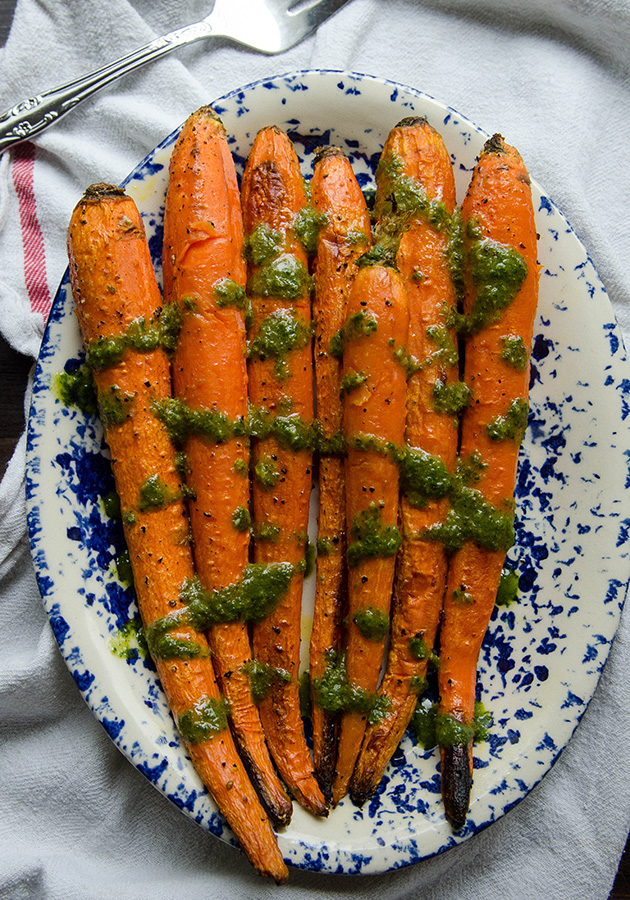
(542, 656)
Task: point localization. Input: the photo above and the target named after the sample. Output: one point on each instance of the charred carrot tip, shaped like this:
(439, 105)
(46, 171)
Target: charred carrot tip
(412, 122)
(495, 144)
(456, 783)
(102, 189)
(325, 152)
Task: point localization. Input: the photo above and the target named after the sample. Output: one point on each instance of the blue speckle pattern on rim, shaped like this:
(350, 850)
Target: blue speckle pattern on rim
(542, 657)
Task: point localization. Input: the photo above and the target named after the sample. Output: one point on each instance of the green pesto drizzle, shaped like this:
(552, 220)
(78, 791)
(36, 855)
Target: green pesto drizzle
(280, 332)
(266, 473)
(129, 641)
(432, 728)
(123, 568)
(351, 381)
(241, 518)
(514, 352)
(511, 426)
(507, 591)
(335, 694)
(292, 432)
(111, 505)
(446, 348)
(154, 493)
(285, 277)
(203, 721)
(472, 518)
(262, 676)
(163, 645)
(370, 537)
(250, 599)
(450, 399)
(423, 477)
(114, 406)
(262, 244)
(498, 272)
(372, 623)
(306, 227)
(418, 647)
(77, 389)
(181, 421)
(461, 595)
(358, 325)
(142, 336)
(267, 532)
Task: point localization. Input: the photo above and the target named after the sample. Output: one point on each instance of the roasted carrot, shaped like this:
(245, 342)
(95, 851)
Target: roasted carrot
(125, 329)
(374, 388)
(205, 275)
(343, 237)
(415, 204)
(282, 424)
(501, 292)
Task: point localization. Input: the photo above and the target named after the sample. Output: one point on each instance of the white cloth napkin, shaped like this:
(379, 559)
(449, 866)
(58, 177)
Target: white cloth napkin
(78, 821)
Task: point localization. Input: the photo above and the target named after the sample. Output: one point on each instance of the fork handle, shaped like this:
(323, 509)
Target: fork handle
(31, 116)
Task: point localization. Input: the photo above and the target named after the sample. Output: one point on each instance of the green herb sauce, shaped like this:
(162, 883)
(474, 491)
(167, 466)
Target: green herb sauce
(372, 623)
(450, 399)
(241, 518)
(266, 473)
(280, 332)
(370, 537)
(306, 227)
(351, 381)
(507, 592)
(114, 406)
(358, 325)
(262, 244)
(514, 352)
(77, 389)
(262, 676)
(335, 694)
(418, 647)
(285, 277)
(511, 426)
(423, 477)
(154, 493)
(206, 719)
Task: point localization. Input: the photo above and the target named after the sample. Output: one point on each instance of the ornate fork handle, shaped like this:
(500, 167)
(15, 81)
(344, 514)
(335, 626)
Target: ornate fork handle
(31, 116)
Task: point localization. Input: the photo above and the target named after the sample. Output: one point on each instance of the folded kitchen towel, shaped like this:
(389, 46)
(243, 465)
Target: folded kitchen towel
(78, 820)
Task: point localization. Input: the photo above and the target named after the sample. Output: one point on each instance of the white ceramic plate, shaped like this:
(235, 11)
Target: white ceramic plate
(541, 658)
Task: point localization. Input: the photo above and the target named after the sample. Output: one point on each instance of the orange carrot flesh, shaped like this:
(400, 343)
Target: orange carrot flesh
(344, 236)
(117, 303)
(281, 398)
(414, 153)
(500, 308)
(205, 274)
(374, 385)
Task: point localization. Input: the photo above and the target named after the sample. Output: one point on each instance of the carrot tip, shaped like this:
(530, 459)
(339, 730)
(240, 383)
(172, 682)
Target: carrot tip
(101, 190)
(412, 122)
(495, 144)
(456, 783)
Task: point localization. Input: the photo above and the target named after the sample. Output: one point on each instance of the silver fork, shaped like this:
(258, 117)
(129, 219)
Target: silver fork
(270, 26)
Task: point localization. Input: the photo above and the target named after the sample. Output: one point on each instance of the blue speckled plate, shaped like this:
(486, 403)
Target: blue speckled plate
(542, 657)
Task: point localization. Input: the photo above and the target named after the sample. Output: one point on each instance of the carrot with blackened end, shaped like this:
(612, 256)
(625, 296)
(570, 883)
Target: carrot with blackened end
(501, 293)
(204, 276)
(374, 389)
(343, 237)
(125, 330)
(275, 215)
(415, 203)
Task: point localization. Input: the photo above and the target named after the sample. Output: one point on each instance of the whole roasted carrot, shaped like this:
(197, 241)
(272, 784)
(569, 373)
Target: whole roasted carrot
(343, 237)
(501, 293)
(281, 420)
(125, 329)
(204, 275)
(415, 204)
(374, 388)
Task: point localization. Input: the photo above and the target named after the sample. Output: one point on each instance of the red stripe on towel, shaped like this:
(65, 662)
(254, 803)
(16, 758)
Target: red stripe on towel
(32, 238)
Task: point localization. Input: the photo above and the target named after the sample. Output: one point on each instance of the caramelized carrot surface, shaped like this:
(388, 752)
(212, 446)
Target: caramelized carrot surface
(124, 328)
(415, 169)
(374, 389)
(281, 410)
(501, 293)
(345, 234)
(205, 274)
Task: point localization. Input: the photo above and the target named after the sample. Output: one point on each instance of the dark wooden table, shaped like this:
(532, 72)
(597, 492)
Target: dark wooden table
(14, 370)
